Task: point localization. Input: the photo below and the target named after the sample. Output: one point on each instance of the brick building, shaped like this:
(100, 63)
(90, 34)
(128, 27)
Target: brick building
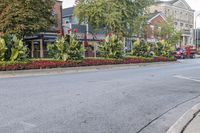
(153, 26)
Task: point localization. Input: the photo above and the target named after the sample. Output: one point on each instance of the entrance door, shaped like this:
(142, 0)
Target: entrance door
(36, 49)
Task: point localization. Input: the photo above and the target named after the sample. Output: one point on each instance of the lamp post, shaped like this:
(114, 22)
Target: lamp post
(196, 35)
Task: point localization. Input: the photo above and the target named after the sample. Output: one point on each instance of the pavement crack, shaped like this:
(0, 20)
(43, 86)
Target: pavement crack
(156, 118)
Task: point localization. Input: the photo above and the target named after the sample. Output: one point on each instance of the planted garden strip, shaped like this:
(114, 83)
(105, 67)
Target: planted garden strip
(47, 64)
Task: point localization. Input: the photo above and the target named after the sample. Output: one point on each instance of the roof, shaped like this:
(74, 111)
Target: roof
(68, 12)
(154, 15)
(168, 2)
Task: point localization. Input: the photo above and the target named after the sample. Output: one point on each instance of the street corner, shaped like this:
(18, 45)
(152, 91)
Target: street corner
(188, 123)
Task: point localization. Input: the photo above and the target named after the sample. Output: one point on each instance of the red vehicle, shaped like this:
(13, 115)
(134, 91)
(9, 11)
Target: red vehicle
(187, 52)
(180, 53)
(190, 51)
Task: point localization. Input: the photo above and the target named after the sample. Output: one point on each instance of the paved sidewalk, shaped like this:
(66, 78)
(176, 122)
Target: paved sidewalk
(194, 126)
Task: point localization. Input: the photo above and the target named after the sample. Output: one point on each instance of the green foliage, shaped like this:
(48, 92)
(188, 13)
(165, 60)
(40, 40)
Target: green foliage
(112, 47)
(3, 49)
(163, 48)
(24, 17)
(9, 63)
(138, 26)
(141, 48)
(18, 50)
(12, 48)
(169, 32)
(117, 16)
(67, 48)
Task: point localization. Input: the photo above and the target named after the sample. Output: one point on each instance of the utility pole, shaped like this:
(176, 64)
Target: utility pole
(196, 34)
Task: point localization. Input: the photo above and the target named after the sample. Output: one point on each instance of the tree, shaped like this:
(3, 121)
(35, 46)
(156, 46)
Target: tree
(169, 32)
(138, 27)
(117, 16)
(25, 17)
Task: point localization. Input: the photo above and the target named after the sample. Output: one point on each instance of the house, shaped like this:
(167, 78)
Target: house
(70, 22)
(153, 26)
(84, 32)
(181, 13)
(37, 43)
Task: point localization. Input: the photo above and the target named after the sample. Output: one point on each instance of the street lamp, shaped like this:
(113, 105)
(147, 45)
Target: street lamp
(196, 37)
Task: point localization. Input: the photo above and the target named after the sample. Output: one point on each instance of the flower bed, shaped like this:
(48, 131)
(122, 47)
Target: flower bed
(46, 64)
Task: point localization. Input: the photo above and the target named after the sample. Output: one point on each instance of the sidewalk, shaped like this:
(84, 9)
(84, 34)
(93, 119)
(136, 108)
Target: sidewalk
(188, 123)
(194, 126)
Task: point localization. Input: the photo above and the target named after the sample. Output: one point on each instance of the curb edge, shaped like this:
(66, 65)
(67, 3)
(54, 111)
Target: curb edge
(181, 123)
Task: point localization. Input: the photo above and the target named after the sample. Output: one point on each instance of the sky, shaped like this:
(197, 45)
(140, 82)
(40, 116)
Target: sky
(194, 4)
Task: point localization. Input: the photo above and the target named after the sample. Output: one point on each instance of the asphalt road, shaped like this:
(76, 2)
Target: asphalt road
(139, 100)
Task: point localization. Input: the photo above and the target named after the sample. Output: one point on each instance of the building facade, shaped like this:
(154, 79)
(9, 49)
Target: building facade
(153, 28)
(182, 15)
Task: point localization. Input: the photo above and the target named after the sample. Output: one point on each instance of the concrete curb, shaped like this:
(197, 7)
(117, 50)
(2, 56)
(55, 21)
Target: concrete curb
(185, 120)
(70, 70)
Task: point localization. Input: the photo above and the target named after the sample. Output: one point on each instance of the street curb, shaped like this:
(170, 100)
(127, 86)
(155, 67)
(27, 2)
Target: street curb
(182, 123)
(71, 70)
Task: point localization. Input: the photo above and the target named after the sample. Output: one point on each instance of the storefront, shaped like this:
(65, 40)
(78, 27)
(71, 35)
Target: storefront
(37, 44)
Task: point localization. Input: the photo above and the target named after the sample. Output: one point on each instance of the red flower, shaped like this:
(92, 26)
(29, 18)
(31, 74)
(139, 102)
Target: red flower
(110, 34)
(75, 30)
(68, 30)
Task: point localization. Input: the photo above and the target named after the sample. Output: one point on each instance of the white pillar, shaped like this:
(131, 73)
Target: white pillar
(32, 49)
(41, 49)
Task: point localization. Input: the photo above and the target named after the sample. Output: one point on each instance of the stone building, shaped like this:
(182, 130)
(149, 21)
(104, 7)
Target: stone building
(181, 13)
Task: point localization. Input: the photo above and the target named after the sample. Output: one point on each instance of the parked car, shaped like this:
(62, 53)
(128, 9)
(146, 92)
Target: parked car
(180, 53)
(187, 52)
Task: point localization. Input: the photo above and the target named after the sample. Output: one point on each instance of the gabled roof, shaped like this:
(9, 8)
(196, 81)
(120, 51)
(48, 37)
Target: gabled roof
(68, 12)
(167, 2)
(174, 3)
(154, 15)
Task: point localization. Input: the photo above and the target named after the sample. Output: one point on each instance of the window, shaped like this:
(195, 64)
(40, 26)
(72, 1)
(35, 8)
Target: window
(181, 24)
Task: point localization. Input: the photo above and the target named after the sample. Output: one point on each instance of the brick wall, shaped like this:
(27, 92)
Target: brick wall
(58, 14)
(153, 27)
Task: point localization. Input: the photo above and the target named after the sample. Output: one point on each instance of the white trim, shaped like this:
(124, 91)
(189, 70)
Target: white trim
(184, 2)
(159, 14)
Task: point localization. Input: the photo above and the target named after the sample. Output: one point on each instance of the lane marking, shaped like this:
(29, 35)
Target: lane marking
(187, 78)
(27, 125)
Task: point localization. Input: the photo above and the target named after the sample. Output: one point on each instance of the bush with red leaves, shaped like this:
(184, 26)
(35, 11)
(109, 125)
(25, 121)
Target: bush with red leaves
(47, 64)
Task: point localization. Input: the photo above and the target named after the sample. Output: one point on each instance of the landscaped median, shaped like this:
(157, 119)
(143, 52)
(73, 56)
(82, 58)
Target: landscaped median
(47, 64)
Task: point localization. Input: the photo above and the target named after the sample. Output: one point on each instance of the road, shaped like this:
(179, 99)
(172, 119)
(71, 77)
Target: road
(139, 100)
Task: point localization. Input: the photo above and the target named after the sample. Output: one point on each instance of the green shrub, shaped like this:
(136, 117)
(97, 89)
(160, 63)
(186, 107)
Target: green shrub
(198, 52)
(141, 48)
(12, 48)
(18, 50)
(3, 49)
(164, 49)
(112, 47)
(67, 48)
